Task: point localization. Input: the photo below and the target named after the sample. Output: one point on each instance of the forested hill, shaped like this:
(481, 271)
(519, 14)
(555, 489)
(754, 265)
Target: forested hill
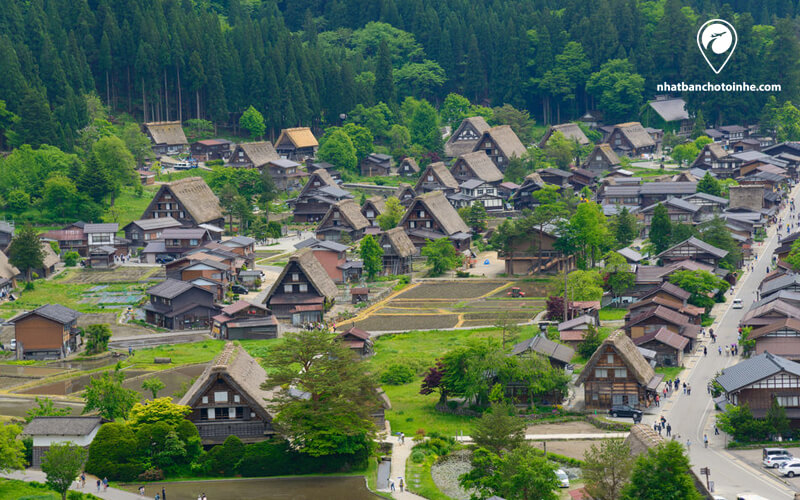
(308, 61)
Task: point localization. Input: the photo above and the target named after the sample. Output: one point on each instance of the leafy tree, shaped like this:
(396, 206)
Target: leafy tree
(391, 215)
(474, 216)
(434, 381)
(420, 79)
(7, 121)
(441, 255)
(583, 285)
(25, 251)
(709, 185)
(334, 416)
(46, 408)
(158, 410)
(700, 284)
(625, 227)
(660, 228)
(591, 341)
(499, 429)
(97, 337)
(399, 140)
(61, 463)
(684, 153)
(225, 458)
(662, 472)
(198, 129)
(377, 119)
(738, 421)
(153, 385)
(337, 149)
(618, 275)
(520, 121)
(253, 121)
(776, 419)
(555, 308)
(715, 232)
(515, 170)
(424, 129)
(361, 138)
(618, 89)
(607, 468)
(112, 453)
(12, 450)
(521, 474)
(561, 150)
(372, 255)
(794, 255)
(137, 143)
(106, 395)
(457, 107)
(60, 197)
(591, 230)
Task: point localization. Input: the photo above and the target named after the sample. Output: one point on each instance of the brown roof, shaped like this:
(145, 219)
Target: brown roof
(506, 140)
(50, 257)
(664, 336)
(605, 150)
(669, 288)
(625, 348)
(7, 271)
(260, 153)
(636, 134)
(453, 148)
(378, 203)
(397, 237)
(301, 137)
(481, 165)
(442, 211)
(791, 323)
(569, 130)
(196, 197)
(241, 305)
(441, 173)
(170, 133)
(240, 369)
(401, 188)
(642, 438)
(312, 269)
(571, 335)
(356, 332)
(411, 162)
(664, 313)
(350, 213)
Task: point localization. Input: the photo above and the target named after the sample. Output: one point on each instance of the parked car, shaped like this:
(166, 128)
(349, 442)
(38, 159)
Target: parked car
(13, 345)
(239, 289)
(765, 452)
(790, 469)
(737, 304)
(775, 461)
(164, 259)
(625, 411)
(563, 479)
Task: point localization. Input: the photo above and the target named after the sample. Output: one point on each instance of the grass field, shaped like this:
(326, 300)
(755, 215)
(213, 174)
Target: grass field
(129, 207)
(612, 314)
(180, 354)
(11, 489)
(670, 372)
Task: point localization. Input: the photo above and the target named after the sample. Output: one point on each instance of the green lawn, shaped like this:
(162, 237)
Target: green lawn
(427, 487)
(670, 372)
(612, 314)
(182, 174)
(129, 207)
(181, 354)
(12, 489)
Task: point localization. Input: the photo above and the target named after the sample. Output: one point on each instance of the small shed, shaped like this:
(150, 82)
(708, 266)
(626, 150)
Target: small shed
(357, 340)
(359, 294)
(47, 431)
(102, 257)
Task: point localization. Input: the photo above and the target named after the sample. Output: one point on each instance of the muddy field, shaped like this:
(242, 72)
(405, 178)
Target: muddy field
(542, 288)
(452, 290)
(119, 275)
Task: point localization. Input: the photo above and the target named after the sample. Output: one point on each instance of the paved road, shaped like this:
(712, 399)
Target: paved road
(693, 416)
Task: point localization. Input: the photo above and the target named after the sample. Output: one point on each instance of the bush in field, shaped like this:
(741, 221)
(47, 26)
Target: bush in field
(398, 374)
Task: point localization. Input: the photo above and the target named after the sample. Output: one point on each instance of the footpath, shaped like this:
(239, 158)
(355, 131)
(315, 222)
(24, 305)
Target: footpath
(29, 475)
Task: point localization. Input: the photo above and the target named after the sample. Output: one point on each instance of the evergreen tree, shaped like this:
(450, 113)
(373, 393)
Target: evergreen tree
(625, 229)
(660, 228)
(35, 126)
(372, 255)
(699, 125)
(25, 251)
(709, 185)
(384, 81)
(424, 129)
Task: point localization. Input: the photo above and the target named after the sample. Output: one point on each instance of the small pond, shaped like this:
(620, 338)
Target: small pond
(28, 371)
(293, 488)
(14, 407)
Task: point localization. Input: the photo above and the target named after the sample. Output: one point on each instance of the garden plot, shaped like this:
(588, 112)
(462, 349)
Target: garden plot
(533, 288)
(118, 275)
(399, 322)
(114, 300)
(453, 290)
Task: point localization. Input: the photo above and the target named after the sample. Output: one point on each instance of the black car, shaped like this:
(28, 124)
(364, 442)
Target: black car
(239, 289)
(625, 411)
(164, 259)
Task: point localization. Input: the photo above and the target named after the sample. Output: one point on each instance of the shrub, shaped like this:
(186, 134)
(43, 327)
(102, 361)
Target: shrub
(151, 475)
(224, 459)
(417, 457)
(110, 454)
(398, 374)
(71, 258)
(268, 458)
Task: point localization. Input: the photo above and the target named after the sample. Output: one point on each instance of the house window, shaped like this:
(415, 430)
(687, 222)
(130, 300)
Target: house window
(236, 398)
(598, 158)
(595, 396)
(205, 399)
(182, 215)
(194, 242)
(788, 401)
(430, 178)
(427, 223)
(610, 358)
(600, 373)
(633, 400)
(421, 213)
(370, 213)
(620, 373)
(220, 396)
(617, 141)
(211, 413)
(295, 277)
(412, 224)
(617, 399)
(488, 145)
(135, 235)
(303, 287)
(287, 288)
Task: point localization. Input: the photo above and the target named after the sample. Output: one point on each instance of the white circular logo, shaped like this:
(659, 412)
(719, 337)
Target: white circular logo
(717, 38)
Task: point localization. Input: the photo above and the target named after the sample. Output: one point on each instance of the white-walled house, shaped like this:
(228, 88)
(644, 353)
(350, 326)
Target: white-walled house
(101, 234)
(47, 431)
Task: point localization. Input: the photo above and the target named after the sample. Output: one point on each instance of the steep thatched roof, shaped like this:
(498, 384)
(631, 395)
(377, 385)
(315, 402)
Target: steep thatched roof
(260, 153)
(403, 188)
(506, 140)
(454, 147)
(605, 151)
(626, 349)
(411, 162)
(402, 244)
(350, 213)
(170, 133)
(481, 166)
(440, 209)
(377, 202)
(7, 271)
(570, 131)
(440, 173)
(636, 134)
(642, 438)
(195, 196)
(301, 137)
(313, 270)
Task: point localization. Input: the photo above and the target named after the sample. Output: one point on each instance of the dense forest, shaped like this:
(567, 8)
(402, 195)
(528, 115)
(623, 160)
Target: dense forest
(308, 61)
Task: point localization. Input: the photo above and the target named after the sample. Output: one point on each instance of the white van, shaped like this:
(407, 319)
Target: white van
(749, 496)
(737, 303)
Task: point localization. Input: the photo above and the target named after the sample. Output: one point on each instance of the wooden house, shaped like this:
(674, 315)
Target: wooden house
(101, 234)
(408, 167)
(431, 217)
(376, 164)
(178, 241)
(709, 204)
(47, 431)
(69, 240)
(8, 277)
(303, 291)
(616, 374)
(286, 174)
(398, 251)
(227, 399)
(476, 165)
(582, 178)
(436, 177)
(466, 136)
(357, 340)
(787, 282)
(572, 331)
(501, 144)
(477, 191)
(781, 338)
(556, 177)
(102, 257)
(372, 208)
(331, 255)
(524, 197)
(343, 217)
(650, 320)
(312, 166)
(535, 252)
(178, 305)
(757, 381)
(631, 139)
(47, 332)
(317, 196)
(243, 320)
(559, 355)
(189, 201)
(203, 268)
(212, 149)
(668, 346)
(694, 249)
(51, 259)
(253, 155)
(601, 159)
(167, 138)
(671, 113)
(653, 192)
(769, 313)
(143, 231)
(570, 131)
(297, 144)
(679, 210)
(507, 189)
(405, 193)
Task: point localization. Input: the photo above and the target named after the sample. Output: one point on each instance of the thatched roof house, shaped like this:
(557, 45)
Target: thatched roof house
(189, 201)
(303, 289)
(436, 178)
(344, 216)
(571, 131)
(476, 165)
(431, 216)
(253, 154)
(466, 136)
(167, 137)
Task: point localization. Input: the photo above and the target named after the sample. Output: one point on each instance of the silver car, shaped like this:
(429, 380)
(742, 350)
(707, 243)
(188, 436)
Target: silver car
(790, 469)
(775, 461)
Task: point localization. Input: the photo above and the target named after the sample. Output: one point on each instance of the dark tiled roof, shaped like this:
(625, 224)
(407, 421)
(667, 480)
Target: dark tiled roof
(61, 426)
(169, 288)
(54, 312)
(545, 347)
(754, 369)
(111, 227)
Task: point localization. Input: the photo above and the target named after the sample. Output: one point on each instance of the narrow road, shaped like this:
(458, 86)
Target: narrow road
(693, 416)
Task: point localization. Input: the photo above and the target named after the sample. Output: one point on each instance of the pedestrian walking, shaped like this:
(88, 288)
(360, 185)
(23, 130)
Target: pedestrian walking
(658, 400)
(669, 430)
(688, 445)
(663, 421)
(655, 426)
(720, 350)
(391, 485)
(204, 497)
(716, 431)
(105, 484)
(705, 351)
(141, 490)
(705, 440)
(402, 438)
(689, 390)
(157, 497)
(401, 485)
(98, 485)
(83, 479)
(163, 493)
(684, 387)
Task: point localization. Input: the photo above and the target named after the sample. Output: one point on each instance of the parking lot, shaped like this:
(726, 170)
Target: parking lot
(753, 459)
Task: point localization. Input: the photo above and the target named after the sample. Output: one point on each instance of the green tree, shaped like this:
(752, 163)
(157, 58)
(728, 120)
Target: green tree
(361, 138)
(392, 214)
(60, 197)
(106, 395)
(7, 121)
(113, 454)
(333, 416)
(253, 121)
(25, 251)
(201, 129)
(372, 255)
(699, 127)
(137, 143)
(499, 429)
(441, 255)
(457, 107)
(618, 275)
(591, 228)
(18, 201)
(700, 284)
(36, 125)
(776, 419)
(738, 421)
(662, 472)
(97, 337)
(618, 90)
(591, 341)
(794, 255)
(338, 150)
(709, 185)
(515, 170)
(474, 216)
(561, 150)
(715, 232)
(12, 450)
(46, 408)
(520, 121)
(158, 410)
(62, 463)
(153, 385)
(583, 285)
(420, 78)
(625, 230)
(521, 474)
(384, 80)
(607, 468)
(424, 128)
(660, 229)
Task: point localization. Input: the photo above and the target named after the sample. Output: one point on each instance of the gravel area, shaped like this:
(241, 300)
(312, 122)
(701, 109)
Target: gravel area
(445, 474)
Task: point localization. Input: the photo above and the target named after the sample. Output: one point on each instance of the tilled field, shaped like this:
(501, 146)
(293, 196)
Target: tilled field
(391, 322)
(452, 290)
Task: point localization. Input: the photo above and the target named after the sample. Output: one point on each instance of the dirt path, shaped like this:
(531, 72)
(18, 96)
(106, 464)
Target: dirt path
(563, 428)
